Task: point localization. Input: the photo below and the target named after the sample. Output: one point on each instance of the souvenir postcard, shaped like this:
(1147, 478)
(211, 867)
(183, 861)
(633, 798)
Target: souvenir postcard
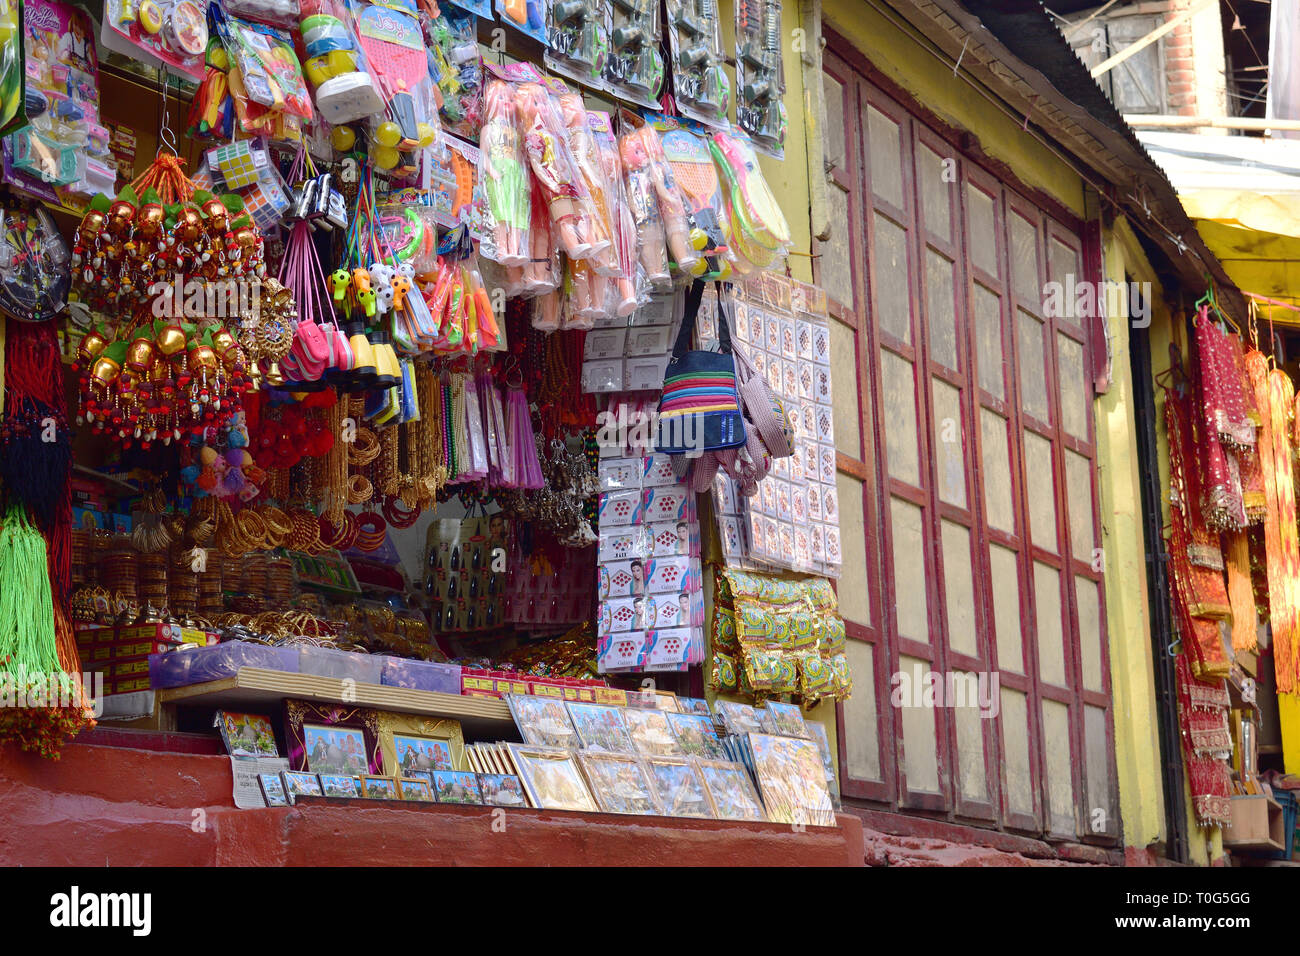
(542, 722)
(600, 727)
(619, 783)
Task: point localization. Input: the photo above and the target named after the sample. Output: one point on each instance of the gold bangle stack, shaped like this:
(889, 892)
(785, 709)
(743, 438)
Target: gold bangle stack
(360, 490)
(365, 448)
(278, 526)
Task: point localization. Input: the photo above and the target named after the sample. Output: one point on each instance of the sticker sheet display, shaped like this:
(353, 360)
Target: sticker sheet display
(650, 598)
(630, 354)
(793, 521)
(464, 574)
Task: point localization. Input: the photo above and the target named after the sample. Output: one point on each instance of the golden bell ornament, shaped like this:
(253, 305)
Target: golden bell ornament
(105, 371)
(140, 354)
(149, 221)
(92, 224)
(202, 357)
(120, 216)
(218, 216)
(190, 225)
(92, 343)
(170, 340)
(273, 374)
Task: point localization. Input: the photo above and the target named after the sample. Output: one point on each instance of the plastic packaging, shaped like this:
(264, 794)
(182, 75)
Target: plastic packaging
(760, 233)
(631, 288)
(458, 70)
(634, 68)
(760, 74)
(700, 86)
(604, 256)
(546, 145)
(504, 177)
(526, 16)
(578, 39)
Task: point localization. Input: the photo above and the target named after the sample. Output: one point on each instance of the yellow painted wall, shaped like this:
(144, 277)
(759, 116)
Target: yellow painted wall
(1137, 743)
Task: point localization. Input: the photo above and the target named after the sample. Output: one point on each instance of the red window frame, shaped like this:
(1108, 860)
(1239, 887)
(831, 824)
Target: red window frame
(864, 87)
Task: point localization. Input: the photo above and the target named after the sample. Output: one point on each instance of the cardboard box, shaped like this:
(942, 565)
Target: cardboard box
(1256, 824)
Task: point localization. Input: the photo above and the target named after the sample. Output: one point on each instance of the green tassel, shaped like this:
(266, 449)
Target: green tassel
(28, 648)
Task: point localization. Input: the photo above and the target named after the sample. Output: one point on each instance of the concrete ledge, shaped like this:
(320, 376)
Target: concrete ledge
(104, 806)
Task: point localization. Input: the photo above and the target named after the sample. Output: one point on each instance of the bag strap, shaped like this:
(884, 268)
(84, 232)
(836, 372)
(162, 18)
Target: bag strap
(694, 296)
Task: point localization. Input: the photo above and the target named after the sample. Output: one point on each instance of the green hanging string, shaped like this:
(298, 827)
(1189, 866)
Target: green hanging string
(28, 648)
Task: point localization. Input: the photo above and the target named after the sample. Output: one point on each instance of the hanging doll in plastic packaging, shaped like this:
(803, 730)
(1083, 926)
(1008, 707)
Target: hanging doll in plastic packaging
(657, 206)
(547, 147)
(587, 158)
(503, 175)
(632, 286)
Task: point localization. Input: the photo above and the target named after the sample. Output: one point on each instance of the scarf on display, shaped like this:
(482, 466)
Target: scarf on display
(1203, 727)
(35, 446)
(1241, 591)
(1200, 598)
(1274, 396)
(1226, 430)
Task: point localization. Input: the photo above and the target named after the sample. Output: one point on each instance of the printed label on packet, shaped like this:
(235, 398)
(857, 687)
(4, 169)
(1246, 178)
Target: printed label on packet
(623, 543)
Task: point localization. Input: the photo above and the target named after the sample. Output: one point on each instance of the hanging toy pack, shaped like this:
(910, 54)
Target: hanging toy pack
(700, 85)
(634, 68)
(457, 68)
(760, 74)
(578, 39)
(760, 234)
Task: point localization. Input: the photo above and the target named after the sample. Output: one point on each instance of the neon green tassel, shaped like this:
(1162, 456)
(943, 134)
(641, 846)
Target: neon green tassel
(28, 647)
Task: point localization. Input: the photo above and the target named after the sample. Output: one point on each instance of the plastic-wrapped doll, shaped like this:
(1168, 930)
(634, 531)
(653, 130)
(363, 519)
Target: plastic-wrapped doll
(547, 147)
(629, 291)
(671, 208)
(542, 274)
(604, 256)
(503, 175)
(641, 201)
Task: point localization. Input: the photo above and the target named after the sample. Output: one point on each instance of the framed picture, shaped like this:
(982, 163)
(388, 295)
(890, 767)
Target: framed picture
(694, 705)
(731, 790)
(247, 735)
(501, 790)
(551, 778)
(335, 750)
(299, 783)
(738, 718)
(600, 727)
(651, 733)
(375, 787)
(339, 785)
(697, 735)
(273, 789)
(456, 786)
(415, 788)
(409, 742)
(786, 719)
(667, 701)
(792, 779)
(425, 775)
(300, 714)
(542, 722)
(679, 786)
(619, 783)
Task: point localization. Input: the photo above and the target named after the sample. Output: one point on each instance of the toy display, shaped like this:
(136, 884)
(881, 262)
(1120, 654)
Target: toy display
(760, 74)
(358, 377)
(634, 67)
(700, 85)
(577, 37)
